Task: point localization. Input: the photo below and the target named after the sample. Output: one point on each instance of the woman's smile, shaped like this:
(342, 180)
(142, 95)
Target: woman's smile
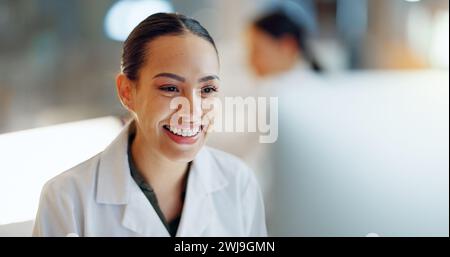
(183, 135)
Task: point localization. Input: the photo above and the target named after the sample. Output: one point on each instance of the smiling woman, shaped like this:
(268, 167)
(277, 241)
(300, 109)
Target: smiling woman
(157, 178)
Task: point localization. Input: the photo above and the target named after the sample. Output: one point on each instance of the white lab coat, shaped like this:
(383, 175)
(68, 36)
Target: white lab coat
(100, 198)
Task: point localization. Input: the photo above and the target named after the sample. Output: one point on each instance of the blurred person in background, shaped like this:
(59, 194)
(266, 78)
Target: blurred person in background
(280, 56)
(157, 178)
(279, 50)
(350, 153)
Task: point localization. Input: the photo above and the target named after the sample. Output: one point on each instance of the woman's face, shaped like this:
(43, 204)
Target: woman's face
(179, 70)
(263, 51)
(268, 55)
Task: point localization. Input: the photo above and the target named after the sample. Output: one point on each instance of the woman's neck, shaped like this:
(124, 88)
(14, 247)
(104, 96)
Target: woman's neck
(164, 175)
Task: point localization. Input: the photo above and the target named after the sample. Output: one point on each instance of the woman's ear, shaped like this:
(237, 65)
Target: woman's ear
(125, 91)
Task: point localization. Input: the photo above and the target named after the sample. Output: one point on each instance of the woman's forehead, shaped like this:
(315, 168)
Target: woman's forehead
(185, 55)
(175, 49)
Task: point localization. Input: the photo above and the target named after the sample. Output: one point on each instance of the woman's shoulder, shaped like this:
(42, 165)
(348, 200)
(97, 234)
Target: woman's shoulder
(75, 179)
(232, 167)
(226, 160)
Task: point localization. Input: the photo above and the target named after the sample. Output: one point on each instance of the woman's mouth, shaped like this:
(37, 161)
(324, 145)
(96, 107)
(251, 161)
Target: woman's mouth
(183, 135)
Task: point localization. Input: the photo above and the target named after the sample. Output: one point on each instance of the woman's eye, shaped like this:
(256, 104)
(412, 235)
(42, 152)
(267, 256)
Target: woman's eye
(209, 90)
(170, 89)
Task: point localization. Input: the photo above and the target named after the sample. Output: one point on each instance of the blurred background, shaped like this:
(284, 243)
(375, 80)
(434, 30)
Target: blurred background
(366, 151)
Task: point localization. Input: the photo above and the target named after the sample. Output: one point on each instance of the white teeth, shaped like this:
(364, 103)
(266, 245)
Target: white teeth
(185, 132)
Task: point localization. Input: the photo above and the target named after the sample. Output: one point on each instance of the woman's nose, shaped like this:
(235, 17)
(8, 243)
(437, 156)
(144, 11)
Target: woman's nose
(193, 112)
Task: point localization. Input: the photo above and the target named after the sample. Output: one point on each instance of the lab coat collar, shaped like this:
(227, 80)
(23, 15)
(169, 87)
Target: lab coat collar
(204, 178)
(116, 186)
(113, 183)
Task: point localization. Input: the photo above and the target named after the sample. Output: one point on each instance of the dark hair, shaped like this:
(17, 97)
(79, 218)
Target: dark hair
(135, 46)
(277, 24)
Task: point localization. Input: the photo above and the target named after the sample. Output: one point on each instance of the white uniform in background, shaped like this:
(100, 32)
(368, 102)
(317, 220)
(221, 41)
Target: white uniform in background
(292, 88)
(100, 198)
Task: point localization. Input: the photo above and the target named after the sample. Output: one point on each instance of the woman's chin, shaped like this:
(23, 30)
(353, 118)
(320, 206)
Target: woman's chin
(182, 152)
(181, 156)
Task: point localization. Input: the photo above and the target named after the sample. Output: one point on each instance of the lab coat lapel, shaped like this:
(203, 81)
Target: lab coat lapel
(115, 186)
(140, 216)
(198, 210)
(113, 172)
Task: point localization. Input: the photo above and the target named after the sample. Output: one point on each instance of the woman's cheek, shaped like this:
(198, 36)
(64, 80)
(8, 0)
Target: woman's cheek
(159, 111)
(148, 114)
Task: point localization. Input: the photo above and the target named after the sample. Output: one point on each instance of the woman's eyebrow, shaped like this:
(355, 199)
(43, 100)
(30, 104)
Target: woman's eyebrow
(208, 78)
(181, 79)
(170, 75)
